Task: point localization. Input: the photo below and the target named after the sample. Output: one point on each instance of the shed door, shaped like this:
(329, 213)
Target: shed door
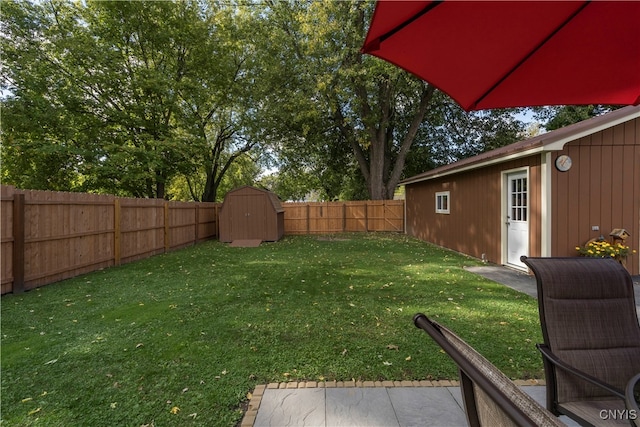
(249, 217)
(517, 218)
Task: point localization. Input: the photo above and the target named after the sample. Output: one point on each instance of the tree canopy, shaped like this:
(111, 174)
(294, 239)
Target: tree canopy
(187, 99)
(123, 97)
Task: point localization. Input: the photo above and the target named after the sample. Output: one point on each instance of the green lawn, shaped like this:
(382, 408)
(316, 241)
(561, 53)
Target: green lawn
(197, 329)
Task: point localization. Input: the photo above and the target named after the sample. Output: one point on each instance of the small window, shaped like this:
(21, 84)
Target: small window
(442, 202)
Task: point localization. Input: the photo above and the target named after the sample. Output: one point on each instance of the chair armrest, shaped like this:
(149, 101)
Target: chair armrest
(548, 354)
(631, 403)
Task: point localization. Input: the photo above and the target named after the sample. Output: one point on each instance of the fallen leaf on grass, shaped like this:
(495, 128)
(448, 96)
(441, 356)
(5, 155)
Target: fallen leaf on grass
(249, 396)
(392, 347)
(35, 411)
(26, 399)
(51, 362)
(174, 410)
(387, 363)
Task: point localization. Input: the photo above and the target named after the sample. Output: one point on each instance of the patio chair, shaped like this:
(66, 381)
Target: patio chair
(490, 397)
(591, 336)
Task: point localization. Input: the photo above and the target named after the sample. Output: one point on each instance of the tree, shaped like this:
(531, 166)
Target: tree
(243, 171)
(40, 146)
(560, 116)
(340, 97)
(131, 97)
(130, 94)
(370, 107)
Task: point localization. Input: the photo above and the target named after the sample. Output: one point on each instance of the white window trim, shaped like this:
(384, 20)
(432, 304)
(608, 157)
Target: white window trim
(439, 196)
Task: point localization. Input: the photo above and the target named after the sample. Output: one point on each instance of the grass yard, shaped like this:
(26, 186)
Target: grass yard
(180, 339)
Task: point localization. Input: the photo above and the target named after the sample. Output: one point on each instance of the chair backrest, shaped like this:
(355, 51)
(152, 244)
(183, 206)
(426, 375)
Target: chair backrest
(490, 397)
(588, 319)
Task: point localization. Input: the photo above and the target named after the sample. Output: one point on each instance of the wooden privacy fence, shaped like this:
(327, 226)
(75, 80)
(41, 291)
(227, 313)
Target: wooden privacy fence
(338, 217)
(51, 236)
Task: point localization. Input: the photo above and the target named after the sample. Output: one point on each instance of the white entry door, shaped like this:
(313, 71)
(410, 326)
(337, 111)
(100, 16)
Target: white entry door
(517, 218)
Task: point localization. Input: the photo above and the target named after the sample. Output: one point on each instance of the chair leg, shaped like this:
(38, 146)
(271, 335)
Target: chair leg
(552, 392)
(469, 399)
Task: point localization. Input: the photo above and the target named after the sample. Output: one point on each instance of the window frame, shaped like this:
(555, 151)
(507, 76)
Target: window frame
(440, 197)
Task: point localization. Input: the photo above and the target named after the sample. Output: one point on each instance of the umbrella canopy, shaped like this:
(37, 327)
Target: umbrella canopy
(514, 53)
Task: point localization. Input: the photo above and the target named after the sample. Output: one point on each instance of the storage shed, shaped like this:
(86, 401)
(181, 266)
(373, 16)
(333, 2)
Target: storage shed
(250, 213)
(539, 197)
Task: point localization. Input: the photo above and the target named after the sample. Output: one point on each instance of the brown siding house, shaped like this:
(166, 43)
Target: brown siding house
(528, 198)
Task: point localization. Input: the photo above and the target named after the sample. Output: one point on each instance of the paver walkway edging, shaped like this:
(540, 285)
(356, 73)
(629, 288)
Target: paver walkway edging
(256, 396)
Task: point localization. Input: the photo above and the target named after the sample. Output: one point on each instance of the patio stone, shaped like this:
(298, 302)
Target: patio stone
(292, 407)
(426, 406)
(367, 406)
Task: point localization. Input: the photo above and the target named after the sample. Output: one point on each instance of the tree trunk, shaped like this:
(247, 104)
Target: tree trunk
(160, 189)
(376, 169)
(210, 189)
(381, 175)
(398, 167)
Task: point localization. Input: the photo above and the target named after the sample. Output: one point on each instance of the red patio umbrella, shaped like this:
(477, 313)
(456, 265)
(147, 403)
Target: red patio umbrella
(494, 54)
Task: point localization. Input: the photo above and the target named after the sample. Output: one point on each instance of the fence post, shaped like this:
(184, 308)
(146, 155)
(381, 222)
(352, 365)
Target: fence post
(216, 213)
(197, 207)
(344, 217)
(366, 216)
(308, 219)
(117, 229)
(18, 244)
(167, 244)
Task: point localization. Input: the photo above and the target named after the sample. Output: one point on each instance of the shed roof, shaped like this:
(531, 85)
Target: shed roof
(273, 198)
(551, 141)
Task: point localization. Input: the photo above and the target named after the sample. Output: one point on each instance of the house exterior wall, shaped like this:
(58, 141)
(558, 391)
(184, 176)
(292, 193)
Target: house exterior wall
(476, 222)
(602, 189)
